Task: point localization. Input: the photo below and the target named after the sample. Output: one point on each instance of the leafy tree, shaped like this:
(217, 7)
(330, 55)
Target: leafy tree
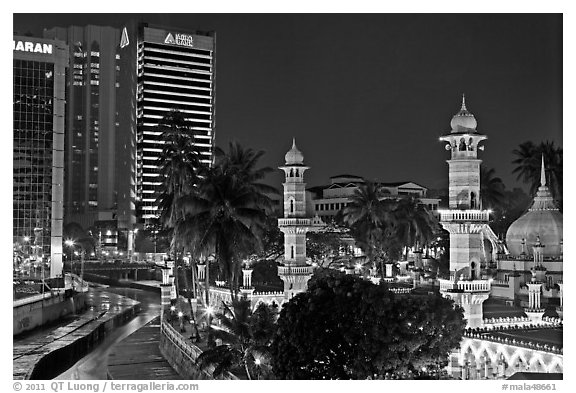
(265, 273)
(323, 245)
(246, 337)
(344, 327)
(272, 241)
(528, 164)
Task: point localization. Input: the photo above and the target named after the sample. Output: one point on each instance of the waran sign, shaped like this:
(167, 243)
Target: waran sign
(35, 47)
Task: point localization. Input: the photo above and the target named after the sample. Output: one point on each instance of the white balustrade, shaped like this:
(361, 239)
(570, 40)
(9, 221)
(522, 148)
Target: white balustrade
(464, 215)
(294, 270)
(466, 286)
(294, 221)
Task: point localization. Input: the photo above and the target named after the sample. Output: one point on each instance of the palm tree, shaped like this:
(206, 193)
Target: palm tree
(415, 225)
(242, 165)
(491, 189)
(366, 214)
(246, 337)
(179, 165)
(528, 164)
(227, 214)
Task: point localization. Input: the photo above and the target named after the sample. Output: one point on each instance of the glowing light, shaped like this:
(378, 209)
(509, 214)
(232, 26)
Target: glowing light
(180, 314)
(172, 308)
(26, 238)
(257, 361)
(69, 242)
(358, 266)
(209, 310)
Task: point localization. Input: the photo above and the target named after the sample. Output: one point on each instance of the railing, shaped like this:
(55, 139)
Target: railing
(294, 221)
(464, 215)
(465, 286)
(401, 290)
(273, 293)
(514, 342)
(491, 323)
(294, 270)
(191, 352)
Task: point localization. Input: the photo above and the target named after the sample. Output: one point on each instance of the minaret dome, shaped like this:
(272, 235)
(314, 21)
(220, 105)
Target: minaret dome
(463, 121)
(294, 156)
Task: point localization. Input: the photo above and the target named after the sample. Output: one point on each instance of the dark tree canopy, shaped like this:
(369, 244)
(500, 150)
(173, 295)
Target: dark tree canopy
(344, 327)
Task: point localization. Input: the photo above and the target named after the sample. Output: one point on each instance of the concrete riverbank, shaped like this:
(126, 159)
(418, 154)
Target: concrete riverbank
(46, 356)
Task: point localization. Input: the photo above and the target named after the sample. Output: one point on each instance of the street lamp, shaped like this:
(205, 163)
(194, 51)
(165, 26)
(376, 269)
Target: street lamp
(70, 243)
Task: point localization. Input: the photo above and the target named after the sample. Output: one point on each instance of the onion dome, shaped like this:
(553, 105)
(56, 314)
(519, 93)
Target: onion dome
(541, 224)
(294, 156)
(463, 121)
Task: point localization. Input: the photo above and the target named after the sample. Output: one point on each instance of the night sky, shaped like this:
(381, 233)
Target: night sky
(369, 94)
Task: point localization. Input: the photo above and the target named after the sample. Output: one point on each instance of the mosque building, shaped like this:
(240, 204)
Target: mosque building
(521, 276)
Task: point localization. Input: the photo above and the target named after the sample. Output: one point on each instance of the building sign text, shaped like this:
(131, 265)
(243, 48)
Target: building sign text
(35, 47)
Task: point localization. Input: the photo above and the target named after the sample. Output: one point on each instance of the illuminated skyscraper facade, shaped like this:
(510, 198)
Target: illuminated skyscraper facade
(39, 73)
(175, 70)
(100, 188)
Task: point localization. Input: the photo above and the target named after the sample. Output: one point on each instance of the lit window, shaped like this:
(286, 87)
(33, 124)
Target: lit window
(94, 53)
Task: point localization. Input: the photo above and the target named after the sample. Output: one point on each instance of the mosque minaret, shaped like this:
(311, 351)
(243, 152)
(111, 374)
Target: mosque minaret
(295, 272)
(465, 220)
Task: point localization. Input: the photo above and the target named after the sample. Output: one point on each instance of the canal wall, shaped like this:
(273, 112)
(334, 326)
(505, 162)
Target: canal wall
(181, 354)
(113, 282)
(30, 313)
(60, 350)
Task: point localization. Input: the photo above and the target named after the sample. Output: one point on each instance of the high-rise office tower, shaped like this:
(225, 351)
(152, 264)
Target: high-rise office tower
(38, 151)
(174, 70)
(99, 156)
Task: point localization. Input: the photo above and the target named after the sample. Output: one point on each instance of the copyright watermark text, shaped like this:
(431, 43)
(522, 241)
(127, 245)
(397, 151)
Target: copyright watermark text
(97, 387)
